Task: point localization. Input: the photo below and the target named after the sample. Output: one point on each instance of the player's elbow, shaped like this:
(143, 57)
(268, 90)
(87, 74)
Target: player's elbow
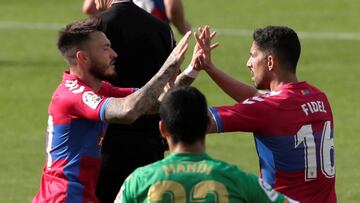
(123, 117)
(121, 111)
(130, 116)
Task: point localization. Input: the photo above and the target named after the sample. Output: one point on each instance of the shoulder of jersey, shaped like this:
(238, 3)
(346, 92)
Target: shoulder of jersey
(74, 87)
(261, 98)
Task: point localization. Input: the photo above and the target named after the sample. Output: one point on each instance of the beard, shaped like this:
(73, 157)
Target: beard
(99, 71)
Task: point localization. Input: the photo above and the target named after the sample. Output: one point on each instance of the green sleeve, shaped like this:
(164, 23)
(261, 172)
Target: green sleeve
(124, 195)
(260, 191)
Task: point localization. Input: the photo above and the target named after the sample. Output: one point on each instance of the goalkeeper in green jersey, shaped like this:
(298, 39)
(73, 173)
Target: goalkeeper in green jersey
(188, 174)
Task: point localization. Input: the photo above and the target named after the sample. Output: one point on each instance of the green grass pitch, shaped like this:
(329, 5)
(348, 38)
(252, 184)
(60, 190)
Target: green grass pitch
(31, 68)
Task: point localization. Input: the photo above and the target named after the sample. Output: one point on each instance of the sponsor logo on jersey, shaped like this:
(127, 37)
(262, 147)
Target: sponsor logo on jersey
(91, 99)
(74, 87)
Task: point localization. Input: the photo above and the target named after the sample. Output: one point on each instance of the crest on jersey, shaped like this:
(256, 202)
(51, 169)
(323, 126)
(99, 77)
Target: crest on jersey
(91, 99)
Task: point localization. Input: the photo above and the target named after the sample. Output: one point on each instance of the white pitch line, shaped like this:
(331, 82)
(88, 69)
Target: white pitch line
(220, 31)
(30, 26)
(303, 35)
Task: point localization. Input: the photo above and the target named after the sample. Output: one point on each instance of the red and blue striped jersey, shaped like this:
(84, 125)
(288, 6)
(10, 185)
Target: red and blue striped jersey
(293, 131)
(155, 7)
(74, 133)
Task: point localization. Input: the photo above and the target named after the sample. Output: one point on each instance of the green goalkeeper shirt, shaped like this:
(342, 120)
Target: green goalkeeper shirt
(195, 177)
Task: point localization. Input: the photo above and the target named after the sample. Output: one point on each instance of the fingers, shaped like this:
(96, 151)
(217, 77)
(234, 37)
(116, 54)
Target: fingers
(182, 46)
(204, 39)
(183, 50)
(212, 35)
(214, 45)
(186, 37)
(200, 42)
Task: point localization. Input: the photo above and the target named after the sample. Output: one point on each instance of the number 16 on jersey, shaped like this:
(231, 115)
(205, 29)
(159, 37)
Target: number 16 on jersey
(306, 137)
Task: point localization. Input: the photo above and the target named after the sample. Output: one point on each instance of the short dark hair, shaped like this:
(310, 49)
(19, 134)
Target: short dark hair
(185, 114)
(282, 41)
(75, 35)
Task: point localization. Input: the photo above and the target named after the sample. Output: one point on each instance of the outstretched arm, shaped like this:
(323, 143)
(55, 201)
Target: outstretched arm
(93, 7)
(231, 86)
(188, 76)
(236, 89)
(128, 109)
(89, 7)
(175, 12)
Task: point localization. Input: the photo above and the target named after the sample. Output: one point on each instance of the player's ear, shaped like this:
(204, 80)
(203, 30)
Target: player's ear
(82, 57)
(163, 130)
(271, 62)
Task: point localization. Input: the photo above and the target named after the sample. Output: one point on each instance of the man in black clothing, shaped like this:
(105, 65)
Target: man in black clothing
(142, 43)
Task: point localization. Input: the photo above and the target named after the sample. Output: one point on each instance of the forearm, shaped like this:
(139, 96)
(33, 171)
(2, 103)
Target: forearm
(183, 80)
(175, 13)
(128, 109)
(89, 7)
(239, 91)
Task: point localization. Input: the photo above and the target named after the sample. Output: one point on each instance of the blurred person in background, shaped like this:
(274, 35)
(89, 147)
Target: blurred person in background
(142, 43)
(169, 11)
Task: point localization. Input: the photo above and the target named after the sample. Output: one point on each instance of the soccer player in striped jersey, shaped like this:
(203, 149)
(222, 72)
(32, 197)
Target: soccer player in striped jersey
(188, 174)
(292, 123)
(83, 104)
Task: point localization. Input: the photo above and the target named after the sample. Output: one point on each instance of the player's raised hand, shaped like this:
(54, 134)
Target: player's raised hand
(179, 51)
(197, 52)
(203, 48)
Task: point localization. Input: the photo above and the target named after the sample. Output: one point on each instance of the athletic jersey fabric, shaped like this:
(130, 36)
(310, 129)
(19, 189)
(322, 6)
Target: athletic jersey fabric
(195, 177)
(74, 133)
(155, 7)
(293, 131)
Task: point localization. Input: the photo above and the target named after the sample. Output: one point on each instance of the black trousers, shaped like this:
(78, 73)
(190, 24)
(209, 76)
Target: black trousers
(121, 155)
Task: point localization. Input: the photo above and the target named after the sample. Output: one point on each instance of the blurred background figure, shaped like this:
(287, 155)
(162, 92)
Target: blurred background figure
(142, 42)
(92, 7)
(170, 11)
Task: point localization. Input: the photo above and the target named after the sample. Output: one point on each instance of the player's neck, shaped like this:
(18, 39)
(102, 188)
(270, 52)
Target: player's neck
(86, 78)
(282, 79)
(198, 147)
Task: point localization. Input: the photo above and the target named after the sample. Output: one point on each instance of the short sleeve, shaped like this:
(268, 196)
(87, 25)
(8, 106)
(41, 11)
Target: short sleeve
(252, 115)
(259, 191)
(126, 192)
(88, 105)
(110, 91)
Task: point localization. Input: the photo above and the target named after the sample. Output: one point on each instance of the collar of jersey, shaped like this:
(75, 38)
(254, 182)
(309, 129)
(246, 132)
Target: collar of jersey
(291, 85)
(188, 156)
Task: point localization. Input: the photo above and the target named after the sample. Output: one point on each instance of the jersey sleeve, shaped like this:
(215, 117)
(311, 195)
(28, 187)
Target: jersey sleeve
(110, 91)
(123, 195)
(127, 193)
(87, 105)
(261, 192)
(252, 115)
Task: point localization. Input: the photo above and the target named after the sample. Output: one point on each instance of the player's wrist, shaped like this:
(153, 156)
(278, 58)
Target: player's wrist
(210, 68)
(191, 72)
